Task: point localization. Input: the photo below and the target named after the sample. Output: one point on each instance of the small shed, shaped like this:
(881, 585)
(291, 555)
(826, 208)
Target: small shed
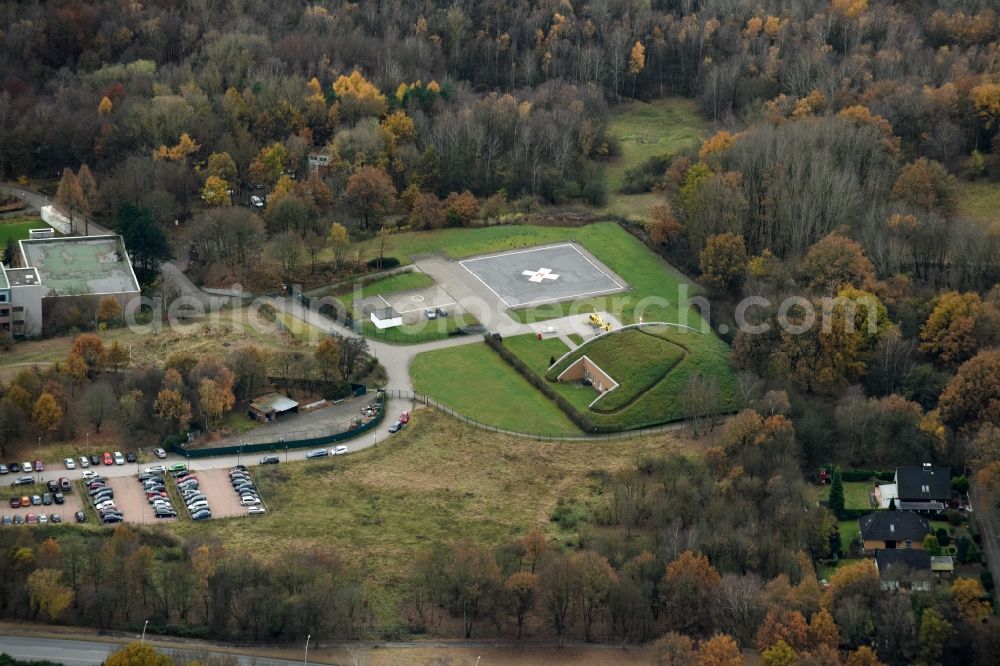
(269, 407)
(943, 566)
(386, 317)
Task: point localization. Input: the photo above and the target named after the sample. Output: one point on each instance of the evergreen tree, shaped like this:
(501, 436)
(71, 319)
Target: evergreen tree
(836, 502)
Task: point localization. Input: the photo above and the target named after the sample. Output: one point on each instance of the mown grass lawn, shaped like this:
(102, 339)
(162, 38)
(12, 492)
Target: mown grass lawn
(387, 285)
(856, 494)
(435, 482)
(17, 228)
(536, 353)
(476, 382)
(635, 359)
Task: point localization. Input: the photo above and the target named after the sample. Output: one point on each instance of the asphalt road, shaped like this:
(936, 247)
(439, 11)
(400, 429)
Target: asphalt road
(73, 652)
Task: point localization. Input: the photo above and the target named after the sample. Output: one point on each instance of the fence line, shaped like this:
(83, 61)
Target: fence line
(295, 439)
(546, 437)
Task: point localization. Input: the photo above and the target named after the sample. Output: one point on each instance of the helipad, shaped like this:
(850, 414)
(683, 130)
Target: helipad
(543, 275)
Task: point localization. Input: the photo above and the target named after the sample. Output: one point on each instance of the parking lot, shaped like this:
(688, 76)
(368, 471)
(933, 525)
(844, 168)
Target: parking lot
(71, 504)
(222, 500)
(131, 500)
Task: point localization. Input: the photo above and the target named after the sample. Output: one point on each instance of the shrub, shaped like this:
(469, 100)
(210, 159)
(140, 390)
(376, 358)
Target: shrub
(960, 484)
(382, 263)
(986, 578)
(942, 536)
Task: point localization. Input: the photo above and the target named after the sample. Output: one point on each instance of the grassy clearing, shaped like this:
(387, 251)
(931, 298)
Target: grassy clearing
(635, 359)
(476, 382)
(388, 285)
(980, 200)
(383, 506)
(850, 531)
(645, 130)
(423, 331)
(17, 228)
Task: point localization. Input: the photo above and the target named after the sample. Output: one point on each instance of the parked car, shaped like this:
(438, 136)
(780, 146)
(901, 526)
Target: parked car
(24, 481)
(6, 520)
(404, 418)
(31, 519)
(43, 519)
(3, 469)
(14, 467)
(52, 485)
(119, 458)
(70, 463)
(39, 466)
(90, 474)
(339, 451)
(84, 462)
(249, 501)
(441, 312)
(156, 468)
(107, 459)
(47, 499)
(25, 501)
(159, 453)
(317, 453)
(177, 467)
(36, 500)
(26, 467)
(269, 460)
(201, 515)
(55, 518)
(396, 427)
(430, 313)
(112, 518)
(80, 517)
(95, 459)
(15, 502)
(251, 510)
(130, 457)
(18, 519)
(59, 498)
(65, 484)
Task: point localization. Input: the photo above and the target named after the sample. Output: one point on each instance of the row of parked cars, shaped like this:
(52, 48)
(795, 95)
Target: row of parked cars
(191, 495)
(103, 497)
(26, 467)
(156, 494)
(239, 476)
(32, 519)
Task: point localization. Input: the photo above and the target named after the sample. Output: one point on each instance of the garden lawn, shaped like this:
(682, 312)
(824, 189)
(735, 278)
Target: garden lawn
(855, 494)
(477, 383)
(17, 228)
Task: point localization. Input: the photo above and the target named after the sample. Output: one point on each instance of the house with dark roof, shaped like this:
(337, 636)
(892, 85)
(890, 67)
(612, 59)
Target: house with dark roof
(904, 569)
(923, 488)
(888, 530)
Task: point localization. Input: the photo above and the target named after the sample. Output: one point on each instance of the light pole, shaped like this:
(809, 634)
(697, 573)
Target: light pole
(305, 662)
(142, 641)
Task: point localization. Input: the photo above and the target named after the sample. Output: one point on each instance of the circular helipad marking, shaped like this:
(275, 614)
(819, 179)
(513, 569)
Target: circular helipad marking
(416, 298)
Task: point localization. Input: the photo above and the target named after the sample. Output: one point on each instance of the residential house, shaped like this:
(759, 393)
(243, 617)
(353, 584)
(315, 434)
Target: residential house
(904, 569)
(923, 488)
(888, 530)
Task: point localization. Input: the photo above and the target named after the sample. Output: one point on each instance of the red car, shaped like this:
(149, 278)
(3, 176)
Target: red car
(404, 418)
(39, 466)
(107, 459)
(31, 519)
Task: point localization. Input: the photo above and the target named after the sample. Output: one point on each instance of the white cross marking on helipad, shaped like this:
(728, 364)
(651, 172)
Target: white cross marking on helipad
(540, 274)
